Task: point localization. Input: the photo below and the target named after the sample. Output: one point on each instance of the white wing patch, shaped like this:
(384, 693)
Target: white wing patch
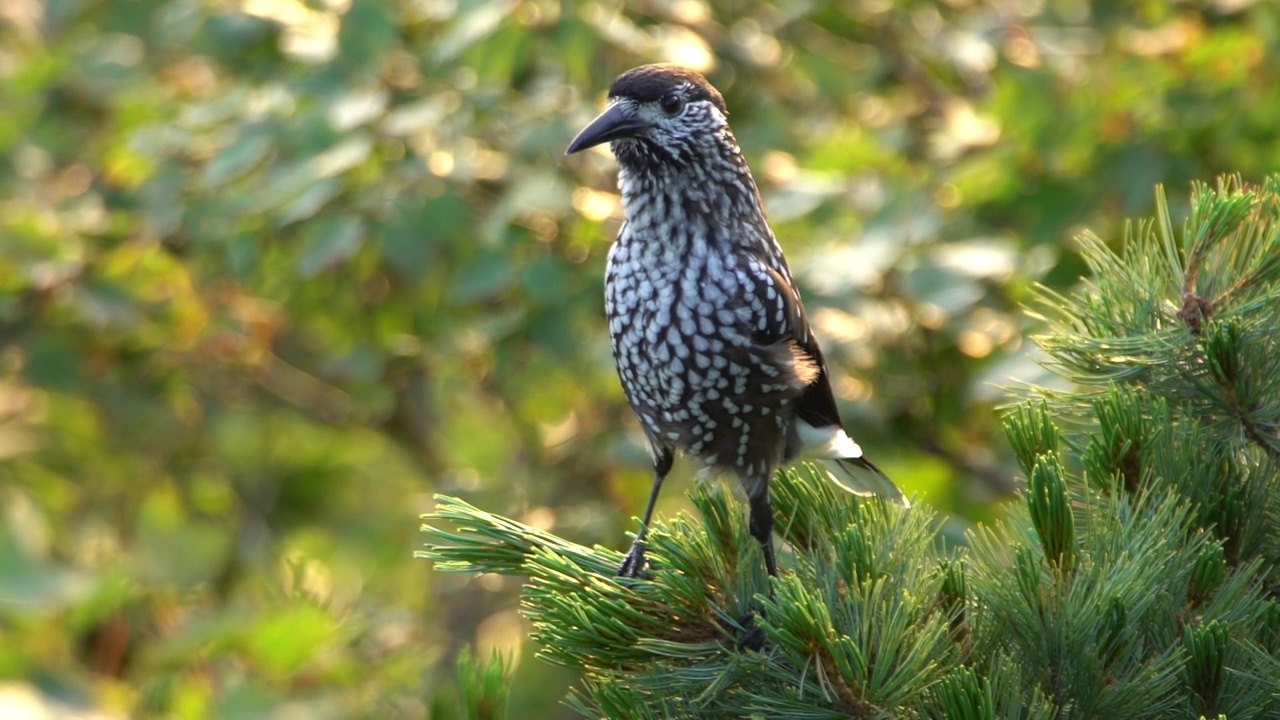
(828, 443)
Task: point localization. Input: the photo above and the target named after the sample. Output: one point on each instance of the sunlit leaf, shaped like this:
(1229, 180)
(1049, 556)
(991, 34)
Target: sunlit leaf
(480, 20)
(311, 201)
(292, 637)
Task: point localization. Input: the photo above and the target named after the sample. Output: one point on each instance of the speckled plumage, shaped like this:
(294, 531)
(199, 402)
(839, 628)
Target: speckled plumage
(710, 337)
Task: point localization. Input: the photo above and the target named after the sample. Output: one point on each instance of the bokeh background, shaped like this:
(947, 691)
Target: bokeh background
(272, 272)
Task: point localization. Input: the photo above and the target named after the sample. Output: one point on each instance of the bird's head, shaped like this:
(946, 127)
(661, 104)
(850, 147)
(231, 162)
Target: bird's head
(659, 113)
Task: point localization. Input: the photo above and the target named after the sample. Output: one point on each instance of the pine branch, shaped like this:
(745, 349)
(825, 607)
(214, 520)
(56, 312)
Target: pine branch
(673, 638)
(1176, 349)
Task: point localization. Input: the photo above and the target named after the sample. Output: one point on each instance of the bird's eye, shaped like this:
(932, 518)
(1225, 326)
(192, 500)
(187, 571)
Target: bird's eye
(671, 104)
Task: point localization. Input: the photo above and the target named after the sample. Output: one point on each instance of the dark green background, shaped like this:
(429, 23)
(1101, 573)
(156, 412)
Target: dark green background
(273, 272)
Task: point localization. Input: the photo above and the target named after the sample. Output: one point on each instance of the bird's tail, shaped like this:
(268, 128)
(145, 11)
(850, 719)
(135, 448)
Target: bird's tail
(861, 477)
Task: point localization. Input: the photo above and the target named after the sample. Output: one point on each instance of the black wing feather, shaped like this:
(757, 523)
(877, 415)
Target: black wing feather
(817, 404)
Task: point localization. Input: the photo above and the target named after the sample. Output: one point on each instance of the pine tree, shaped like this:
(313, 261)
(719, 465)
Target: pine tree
(1136, 579)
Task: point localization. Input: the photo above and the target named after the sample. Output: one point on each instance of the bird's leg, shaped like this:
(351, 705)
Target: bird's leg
(761, 525)
(633, 564)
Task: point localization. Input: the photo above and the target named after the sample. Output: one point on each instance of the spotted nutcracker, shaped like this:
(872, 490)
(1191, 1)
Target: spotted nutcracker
(712, 343)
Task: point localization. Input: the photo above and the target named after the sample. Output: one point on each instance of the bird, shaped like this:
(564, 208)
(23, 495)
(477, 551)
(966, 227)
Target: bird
(712, 344)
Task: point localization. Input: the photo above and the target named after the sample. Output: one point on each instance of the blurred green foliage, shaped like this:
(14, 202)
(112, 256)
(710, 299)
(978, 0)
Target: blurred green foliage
(274, 271)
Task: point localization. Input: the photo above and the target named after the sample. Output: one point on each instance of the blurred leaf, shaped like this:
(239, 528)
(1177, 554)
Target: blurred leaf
(239, 39)
(236, 159)
(368, 31)
(30, 585)
(343, 156)
(51, 361)
(176, 548)
(311, 201)
(546, 279)
(481, 278)
(408, 246)
(329, 241)
(481, 19)
(291, 638)
(948, 290)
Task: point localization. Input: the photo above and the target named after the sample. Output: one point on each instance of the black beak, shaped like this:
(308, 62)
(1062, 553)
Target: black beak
(617, 121)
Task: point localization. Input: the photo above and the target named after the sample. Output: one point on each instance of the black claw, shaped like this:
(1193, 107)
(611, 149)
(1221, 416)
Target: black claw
(752, 637)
